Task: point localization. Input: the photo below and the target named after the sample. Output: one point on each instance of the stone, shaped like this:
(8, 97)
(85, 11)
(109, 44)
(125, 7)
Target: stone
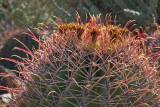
(6, 81)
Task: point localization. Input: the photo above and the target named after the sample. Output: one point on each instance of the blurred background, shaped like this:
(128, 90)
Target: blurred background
(22, 14)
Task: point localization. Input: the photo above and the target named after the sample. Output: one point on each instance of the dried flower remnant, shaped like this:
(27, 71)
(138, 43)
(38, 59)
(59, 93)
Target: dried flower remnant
(70, 28)
(94, 36)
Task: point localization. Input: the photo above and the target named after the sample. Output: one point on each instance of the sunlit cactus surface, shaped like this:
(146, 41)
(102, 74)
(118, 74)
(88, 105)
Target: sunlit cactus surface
(88, 64)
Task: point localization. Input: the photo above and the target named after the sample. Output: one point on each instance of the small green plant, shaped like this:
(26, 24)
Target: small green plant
(88, 65)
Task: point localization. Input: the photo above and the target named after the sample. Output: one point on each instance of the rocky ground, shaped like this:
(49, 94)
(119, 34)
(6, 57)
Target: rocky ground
(7, 82)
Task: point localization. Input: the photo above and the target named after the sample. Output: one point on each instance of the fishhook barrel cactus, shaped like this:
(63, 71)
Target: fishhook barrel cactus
(9, 41)
(88, 64)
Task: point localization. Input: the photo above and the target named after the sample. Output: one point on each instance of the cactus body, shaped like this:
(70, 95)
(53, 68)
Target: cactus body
(89, 65)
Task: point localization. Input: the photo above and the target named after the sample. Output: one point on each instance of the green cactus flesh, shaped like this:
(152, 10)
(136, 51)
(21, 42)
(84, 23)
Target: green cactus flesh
(71, 71)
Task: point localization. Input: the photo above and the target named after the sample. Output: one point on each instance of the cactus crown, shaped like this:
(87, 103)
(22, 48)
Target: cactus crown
(93, 35)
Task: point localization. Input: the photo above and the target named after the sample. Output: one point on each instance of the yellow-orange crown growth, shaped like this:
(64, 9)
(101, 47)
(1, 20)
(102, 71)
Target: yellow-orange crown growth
(93, 35)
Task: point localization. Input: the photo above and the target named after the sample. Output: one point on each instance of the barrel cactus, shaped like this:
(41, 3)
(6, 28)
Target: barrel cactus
(9, 41)
(88, 64)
